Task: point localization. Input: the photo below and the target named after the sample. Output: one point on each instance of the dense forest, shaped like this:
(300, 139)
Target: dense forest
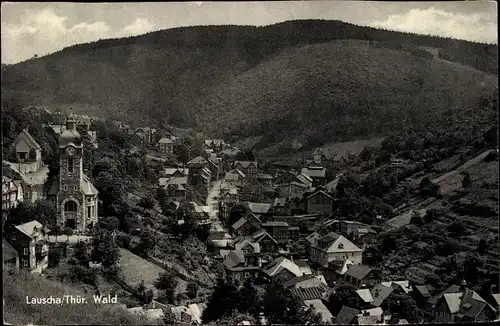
(312, 81)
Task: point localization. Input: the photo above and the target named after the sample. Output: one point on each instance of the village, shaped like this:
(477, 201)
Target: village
(263, 223)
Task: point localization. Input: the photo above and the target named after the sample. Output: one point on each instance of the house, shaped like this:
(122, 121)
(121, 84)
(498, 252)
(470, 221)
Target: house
(294, 232)
(27, 150)
(363, 275)
(10, 255)
(217, 145)
(281, 206)
(400, 286)
(333, 247)
(317, 174)
(265, 178)
(166, 147)
(249, 168)
(278, 230)
(12, 193)
(460, 305)
(190, 314)
(230, 196)
(176, 188)
(235, 176)
(317, 202)
(347, 316)
(241, 265)
(247, 225)
(496, 298)
(283, 269)
(143, 136)
(336, 270)
(201, 213)
(268, 245)
(30, 241)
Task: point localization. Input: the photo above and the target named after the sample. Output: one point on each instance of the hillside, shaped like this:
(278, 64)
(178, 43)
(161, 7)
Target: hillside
(18, 285)
(298, 78)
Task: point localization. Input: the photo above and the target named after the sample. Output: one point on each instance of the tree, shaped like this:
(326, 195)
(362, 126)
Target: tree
(409, 310)
(81, 253)
(56, 230)
(235, 318)
(147, 203)
(457, 227)
(223, 301)
(46, 212)
(344, 295)
(482, 246)
(428, 188)
(68, 231)
(192, 289)
(249, 301)
(237, 211)
(104, 249)
(146, 243)
(466, 181)
(109, 223)
(281, 307)
(167, 282)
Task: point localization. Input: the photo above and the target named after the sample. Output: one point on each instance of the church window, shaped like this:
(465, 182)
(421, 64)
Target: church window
(70, 164)
(65, 187)
(75, 187)
(70, 206)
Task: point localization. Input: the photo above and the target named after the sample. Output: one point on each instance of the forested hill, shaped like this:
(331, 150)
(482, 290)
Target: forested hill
(266, 80)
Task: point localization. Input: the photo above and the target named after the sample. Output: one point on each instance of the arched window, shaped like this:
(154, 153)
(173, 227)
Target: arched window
(70, 206)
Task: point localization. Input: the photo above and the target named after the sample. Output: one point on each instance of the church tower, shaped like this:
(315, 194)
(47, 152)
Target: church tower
(74, 195)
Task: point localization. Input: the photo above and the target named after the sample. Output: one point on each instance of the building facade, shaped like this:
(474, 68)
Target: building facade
(74, 195)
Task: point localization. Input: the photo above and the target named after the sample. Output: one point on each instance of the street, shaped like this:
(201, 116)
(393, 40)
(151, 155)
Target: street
(212, 201)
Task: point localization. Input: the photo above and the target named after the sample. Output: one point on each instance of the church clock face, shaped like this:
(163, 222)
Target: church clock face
(70, 151)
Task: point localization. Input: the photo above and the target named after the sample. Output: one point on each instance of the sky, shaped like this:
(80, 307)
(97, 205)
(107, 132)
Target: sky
(42, 28)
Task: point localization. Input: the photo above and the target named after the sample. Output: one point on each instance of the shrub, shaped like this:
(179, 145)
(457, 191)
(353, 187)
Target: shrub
(428, 188)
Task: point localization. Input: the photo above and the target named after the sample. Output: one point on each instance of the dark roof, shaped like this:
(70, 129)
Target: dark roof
(472, 304)
(330, 237)
(8, 251)
(359, 272)
(423, 290)
(296, 280)
(346, 315)
(308, 293)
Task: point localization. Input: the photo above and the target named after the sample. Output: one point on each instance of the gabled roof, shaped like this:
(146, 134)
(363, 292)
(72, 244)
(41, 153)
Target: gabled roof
(319, 192)
(423, 290)
(358, 272)
(405, 285)
(365, 295)
(26, 141)
(261, 234)
(233, 259)
(245, 164)
(279, 264)
(380, 293)
(333, 242)
(332, 185)
(496, 297)
(29, 228)
(346, 315)
(198, 160)
(241, 245)
(237, 171)
(165, 140)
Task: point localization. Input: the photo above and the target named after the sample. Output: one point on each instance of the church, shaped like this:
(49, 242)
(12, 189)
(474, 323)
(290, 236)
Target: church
(73, 193)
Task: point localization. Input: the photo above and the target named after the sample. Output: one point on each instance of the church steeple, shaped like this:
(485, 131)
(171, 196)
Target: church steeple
(70, 121)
